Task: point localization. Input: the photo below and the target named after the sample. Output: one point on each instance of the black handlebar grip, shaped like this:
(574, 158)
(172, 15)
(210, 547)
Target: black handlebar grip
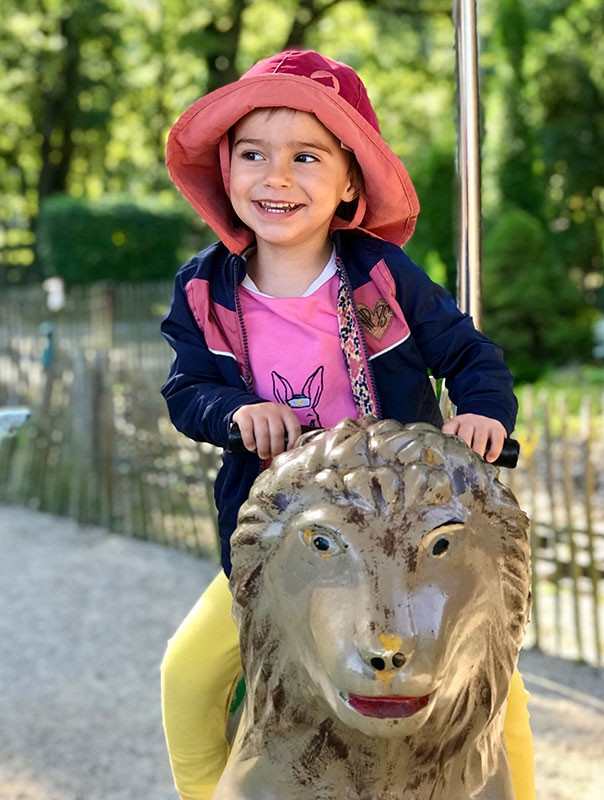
(507, 458)
(235, 442)
(509, 454)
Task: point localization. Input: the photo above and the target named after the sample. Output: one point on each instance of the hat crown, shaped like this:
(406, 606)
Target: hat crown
(333, 74)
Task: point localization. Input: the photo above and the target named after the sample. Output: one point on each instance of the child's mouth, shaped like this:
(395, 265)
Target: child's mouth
(277, 209)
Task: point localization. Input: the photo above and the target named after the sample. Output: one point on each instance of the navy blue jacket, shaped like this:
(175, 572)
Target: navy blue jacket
(421, 329)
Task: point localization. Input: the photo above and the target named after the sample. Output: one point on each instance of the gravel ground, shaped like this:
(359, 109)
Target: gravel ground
(85, 619)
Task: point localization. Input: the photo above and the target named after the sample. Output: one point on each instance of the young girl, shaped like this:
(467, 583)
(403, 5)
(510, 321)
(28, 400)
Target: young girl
(307, 311)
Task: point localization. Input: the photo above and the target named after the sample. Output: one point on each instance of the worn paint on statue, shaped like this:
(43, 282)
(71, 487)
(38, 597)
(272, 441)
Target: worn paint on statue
(381, 587)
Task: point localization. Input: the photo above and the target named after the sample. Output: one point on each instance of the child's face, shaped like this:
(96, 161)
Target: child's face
(288, 176)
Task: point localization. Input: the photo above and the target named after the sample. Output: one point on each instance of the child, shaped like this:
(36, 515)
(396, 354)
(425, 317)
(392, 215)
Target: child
(307, 311)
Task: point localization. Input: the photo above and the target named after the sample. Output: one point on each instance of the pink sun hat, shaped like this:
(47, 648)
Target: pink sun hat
(198, 157)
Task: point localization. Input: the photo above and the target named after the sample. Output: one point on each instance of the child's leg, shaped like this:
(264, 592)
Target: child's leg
(198, 670)
(519, 740)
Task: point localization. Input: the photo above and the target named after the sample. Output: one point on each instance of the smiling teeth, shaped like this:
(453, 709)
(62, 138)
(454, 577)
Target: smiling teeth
(277, 208)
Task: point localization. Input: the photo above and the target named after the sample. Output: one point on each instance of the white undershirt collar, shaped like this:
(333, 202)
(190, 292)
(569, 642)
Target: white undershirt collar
(328, 271)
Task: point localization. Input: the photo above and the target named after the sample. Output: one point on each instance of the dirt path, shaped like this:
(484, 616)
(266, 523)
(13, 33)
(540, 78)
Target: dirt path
(85, 617)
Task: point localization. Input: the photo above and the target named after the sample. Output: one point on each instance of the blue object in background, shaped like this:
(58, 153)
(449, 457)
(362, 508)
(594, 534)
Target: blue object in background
(48, 329)
(11, 419)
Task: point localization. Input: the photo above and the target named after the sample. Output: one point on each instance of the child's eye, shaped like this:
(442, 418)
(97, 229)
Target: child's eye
(251, 155)
(306, 158)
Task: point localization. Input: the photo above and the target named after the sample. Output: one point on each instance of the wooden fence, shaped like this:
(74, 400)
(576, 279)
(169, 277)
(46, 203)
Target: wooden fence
(560, 483)
(99, 447)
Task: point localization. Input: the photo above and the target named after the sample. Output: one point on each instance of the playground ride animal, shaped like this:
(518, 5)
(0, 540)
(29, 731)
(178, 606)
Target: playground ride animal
(381, 585)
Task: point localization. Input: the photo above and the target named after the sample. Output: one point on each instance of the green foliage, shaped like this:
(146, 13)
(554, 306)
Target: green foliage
(544, 93)
(92, 89)
(434, 239)
(519, 184)
(531, 308)
(114, 239)
(572, 143)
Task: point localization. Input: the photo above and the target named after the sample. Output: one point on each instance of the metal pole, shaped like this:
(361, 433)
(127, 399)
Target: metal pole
(469, 266)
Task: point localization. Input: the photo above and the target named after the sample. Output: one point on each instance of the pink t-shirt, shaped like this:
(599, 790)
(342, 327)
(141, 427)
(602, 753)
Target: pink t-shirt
(295, 353)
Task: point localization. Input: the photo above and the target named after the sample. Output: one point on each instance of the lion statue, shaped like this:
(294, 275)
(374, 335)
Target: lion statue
(381, 585)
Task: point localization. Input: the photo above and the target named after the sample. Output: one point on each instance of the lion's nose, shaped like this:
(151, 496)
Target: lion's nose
(393, 653)
(388, 661)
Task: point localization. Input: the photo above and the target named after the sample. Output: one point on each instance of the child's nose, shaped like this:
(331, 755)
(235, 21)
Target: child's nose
(278, 174)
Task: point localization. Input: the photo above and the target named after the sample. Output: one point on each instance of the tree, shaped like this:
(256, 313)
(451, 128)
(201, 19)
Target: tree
(519, 184)
(433, 243)
(93, 87)
(545, 113)
(62, 77)
(531, 307)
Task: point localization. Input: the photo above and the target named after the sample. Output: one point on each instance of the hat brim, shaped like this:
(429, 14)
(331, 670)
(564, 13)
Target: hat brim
(193, 158)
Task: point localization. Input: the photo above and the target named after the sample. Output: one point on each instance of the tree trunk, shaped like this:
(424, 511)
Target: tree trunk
(59, 104)
(221, 57)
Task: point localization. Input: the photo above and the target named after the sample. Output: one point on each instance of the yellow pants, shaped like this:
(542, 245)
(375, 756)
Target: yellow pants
(200, 665)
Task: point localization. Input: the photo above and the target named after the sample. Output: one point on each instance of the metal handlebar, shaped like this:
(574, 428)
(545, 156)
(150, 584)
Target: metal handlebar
(507, 458)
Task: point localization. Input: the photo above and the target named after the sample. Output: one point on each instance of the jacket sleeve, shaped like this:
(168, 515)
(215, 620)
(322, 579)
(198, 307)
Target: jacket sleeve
(200, 401)
(477, 378)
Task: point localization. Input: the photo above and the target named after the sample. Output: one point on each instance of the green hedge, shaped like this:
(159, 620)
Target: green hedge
(531, 307)
(110, 239)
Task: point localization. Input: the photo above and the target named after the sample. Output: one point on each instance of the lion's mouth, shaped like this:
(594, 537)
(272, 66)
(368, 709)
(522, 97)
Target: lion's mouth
(385, 707)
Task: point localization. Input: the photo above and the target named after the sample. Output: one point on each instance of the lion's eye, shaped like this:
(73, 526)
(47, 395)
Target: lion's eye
(440, 547)
(324, 543)
(320, 543)
(438, 541)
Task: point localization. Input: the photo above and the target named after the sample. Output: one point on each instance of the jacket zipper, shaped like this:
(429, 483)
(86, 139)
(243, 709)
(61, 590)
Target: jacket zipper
(247, 378)
(359, 327)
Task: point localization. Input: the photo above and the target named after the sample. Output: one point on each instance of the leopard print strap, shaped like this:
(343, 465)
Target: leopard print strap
(353, 348)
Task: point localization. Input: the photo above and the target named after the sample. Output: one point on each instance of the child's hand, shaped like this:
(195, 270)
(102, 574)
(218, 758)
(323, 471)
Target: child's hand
(262, 426)
(476, 431)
